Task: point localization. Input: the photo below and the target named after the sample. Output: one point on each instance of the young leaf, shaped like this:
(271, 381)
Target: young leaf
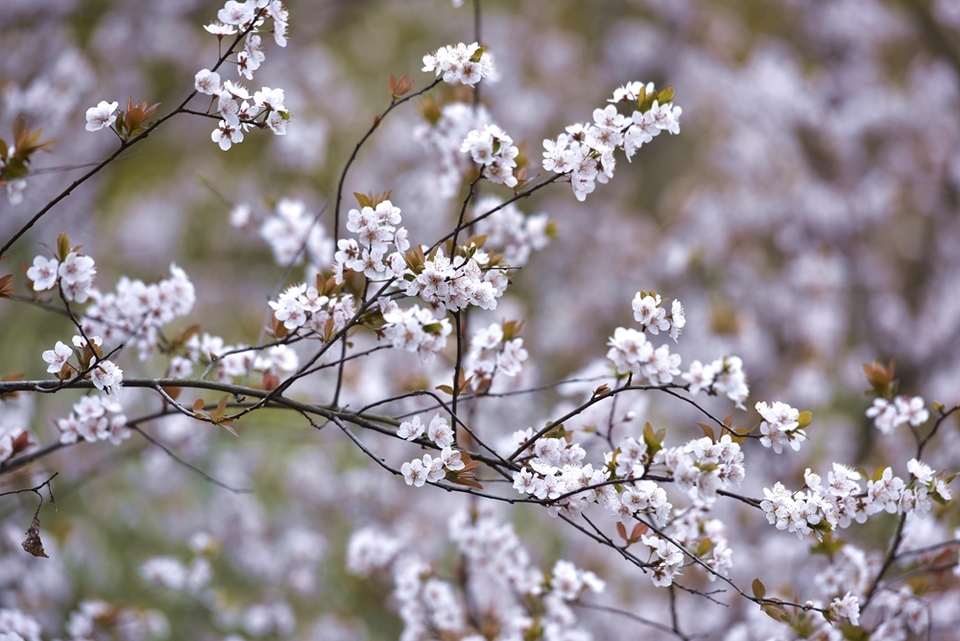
(708, 431)
(363, 199)
(63, 246)
(704, 546)
(638, 530)
(6, 286)
(622, 531)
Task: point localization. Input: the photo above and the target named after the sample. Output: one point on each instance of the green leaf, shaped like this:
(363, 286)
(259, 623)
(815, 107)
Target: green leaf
(665, 95)
(703, 547)
(654, 440)
(363, 199)
(776, 612)
(759, 590)
(63, 246)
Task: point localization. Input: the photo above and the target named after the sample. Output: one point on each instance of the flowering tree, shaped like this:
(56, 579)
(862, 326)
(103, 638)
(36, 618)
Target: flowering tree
(415, 405)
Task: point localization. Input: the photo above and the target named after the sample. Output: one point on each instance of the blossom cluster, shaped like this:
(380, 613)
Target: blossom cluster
(438, 430)
(292, 233)
(556, 469)
(695, 529)
(844, 500)
(414, 329)
(492, 353)
(586, 150)
(889, 415)
(377, 229)
(136, 312)
(94, 418)
(432, 469)
(554, 472)
(236, 112)
(903, 612)
(780, 426)
(74, 274)
(171, 573)
(506, 591)
(443, 136)
(557, 475)
(723, 376)
(104, 374)
(495, 152)
(669, 559)
(300, 306)
(18, 626)
(460, 63)
(231, 361)
(93, 615)
(469, 278)
(429, 468)
(654, 318)
(631, 352)
(703, 466)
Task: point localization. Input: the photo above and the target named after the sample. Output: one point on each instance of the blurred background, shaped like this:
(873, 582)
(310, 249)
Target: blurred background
(806, 217)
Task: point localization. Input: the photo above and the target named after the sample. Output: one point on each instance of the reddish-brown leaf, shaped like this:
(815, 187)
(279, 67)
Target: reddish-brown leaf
(6, 286)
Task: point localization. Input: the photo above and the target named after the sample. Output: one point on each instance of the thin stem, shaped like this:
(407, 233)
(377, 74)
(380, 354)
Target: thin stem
(353, 156)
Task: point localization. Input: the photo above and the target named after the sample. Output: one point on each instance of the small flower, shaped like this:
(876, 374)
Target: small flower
(101, 116)
(226, 135)
(77, 268)
(107, 377)
(270, 98)
(219, 30)
(236, 13)
(57, 357)
(414, 473)
(451, 459)
(411, 429)
(440, 432)
(43, 273)
(847, 607)
(207, 82)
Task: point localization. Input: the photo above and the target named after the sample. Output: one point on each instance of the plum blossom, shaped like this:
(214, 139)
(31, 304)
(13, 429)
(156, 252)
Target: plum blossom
(43, 273)
(57, 357)
(108, 377)
(226, 135)
(103, 115)
(207, 82)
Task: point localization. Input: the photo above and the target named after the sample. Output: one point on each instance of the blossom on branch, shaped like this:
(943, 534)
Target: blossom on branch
(103, 115)
(461, 63)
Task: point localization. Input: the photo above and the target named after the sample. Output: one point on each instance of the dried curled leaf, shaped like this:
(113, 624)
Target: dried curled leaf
(32, 543)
